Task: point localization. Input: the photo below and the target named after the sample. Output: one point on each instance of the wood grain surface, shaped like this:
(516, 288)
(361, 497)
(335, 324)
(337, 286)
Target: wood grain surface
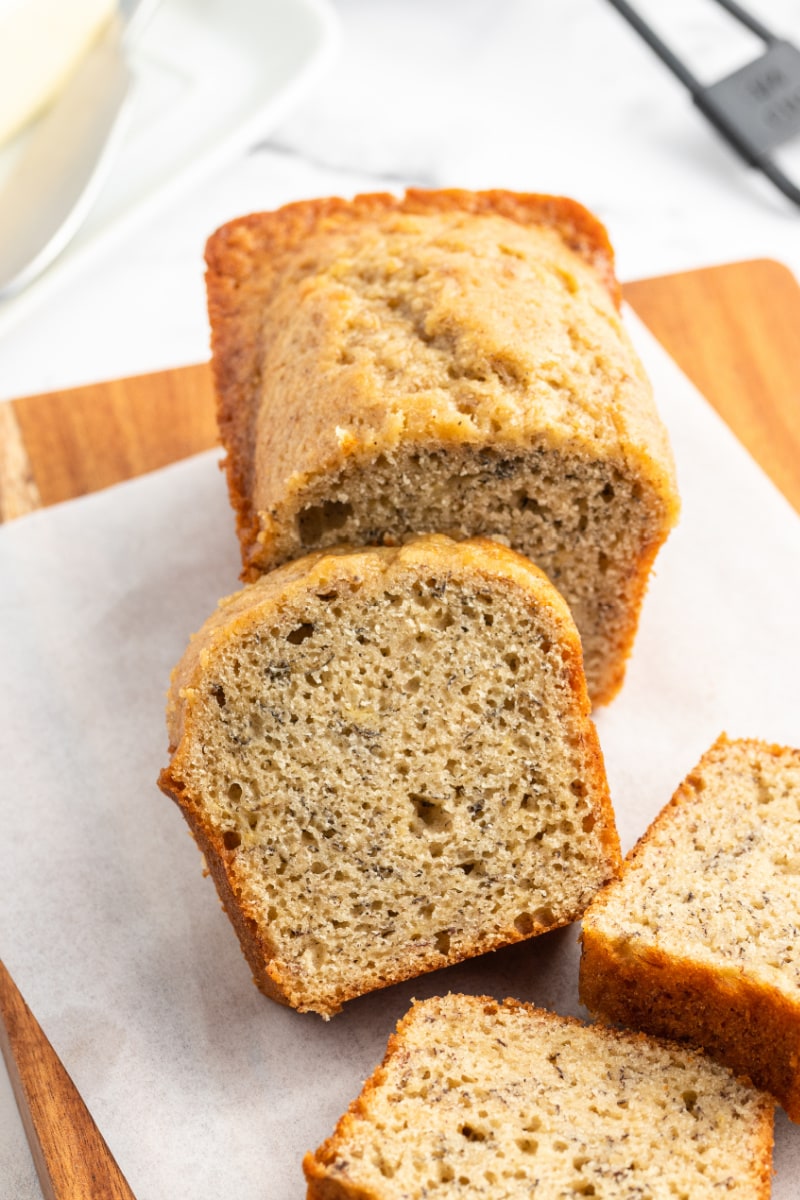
(72, 1160)
(733, 329)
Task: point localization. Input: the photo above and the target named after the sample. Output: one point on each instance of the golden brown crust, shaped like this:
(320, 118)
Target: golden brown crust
(273, 233)
(744, 1023)
(262, 603)
(639, 578)
(243, 255)
(257, 950)
(320, 1185)
(746, 1026)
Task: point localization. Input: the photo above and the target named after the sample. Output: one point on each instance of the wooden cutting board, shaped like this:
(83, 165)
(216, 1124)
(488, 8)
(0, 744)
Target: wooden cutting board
(734, 330)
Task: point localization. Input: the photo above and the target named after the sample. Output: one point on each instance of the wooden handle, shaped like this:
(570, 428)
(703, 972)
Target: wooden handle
(72, 1160)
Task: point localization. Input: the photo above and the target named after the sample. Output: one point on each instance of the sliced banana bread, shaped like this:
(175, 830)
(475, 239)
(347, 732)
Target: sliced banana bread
(387, 758)
(500, 1101)
(450, 361)
(700, 938)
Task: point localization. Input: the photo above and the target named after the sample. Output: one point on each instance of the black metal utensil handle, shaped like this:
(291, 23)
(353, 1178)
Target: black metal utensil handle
(757, 107)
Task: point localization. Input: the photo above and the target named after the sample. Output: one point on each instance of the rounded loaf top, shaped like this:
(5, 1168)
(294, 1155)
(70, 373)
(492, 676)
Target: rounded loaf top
(447, 317)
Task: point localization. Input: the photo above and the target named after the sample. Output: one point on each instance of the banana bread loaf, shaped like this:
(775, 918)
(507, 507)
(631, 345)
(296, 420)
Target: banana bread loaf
(499, 1101)
(387, 759)
(450, 361)
(700, 938)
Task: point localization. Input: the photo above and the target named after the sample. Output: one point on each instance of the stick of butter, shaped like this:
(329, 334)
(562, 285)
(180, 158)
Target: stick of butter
(41, 42)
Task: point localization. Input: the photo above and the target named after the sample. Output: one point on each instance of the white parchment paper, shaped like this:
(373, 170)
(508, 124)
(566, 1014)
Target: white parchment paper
(202, 1087)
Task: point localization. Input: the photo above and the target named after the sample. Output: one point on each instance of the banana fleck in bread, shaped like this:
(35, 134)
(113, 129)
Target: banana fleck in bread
(450, 361)
(476, 1098)
(700, 938)
(387, 759)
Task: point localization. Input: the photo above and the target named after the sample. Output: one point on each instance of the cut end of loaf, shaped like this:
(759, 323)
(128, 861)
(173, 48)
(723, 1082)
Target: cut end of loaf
(506, 1100)
(699, 938)
(593, 527)
(388, 759)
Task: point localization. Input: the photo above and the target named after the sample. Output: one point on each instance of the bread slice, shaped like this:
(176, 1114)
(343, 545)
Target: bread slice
(488, 1100)
(387, 759)
(700, 938)
(448, 361)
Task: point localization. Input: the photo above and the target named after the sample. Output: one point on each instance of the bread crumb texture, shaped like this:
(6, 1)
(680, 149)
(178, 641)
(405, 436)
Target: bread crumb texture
(505, 1100)
(387, 758)
(449, 361)
(700, 938)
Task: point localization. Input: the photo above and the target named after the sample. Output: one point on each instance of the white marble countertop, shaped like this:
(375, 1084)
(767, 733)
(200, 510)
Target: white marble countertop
(527, 94)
